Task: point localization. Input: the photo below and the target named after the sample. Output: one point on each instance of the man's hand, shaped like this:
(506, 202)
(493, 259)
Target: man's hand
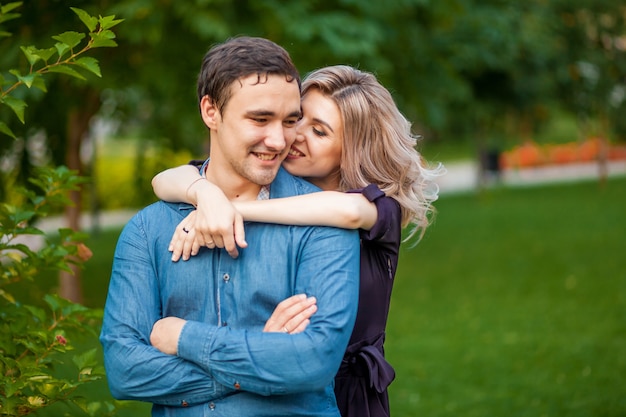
(165, 334)
(292, 315)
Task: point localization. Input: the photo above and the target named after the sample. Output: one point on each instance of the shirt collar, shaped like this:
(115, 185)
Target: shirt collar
(264, 193)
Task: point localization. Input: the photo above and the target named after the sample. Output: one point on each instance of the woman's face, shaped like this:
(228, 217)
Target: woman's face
(316, 153)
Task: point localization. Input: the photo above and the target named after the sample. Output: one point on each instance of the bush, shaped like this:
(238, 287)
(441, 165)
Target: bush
(38, 343)
(33, 339)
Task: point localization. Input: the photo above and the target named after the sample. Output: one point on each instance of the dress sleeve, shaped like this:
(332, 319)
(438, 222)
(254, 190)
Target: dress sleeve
(385, 230)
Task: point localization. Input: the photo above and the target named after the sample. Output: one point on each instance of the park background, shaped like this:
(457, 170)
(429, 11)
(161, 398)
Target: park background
(514, 303)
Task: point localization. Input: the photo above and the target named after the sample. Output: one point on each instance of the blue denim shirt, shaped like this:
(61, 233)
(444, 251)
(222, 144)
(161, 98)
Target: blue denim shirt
(225, 363)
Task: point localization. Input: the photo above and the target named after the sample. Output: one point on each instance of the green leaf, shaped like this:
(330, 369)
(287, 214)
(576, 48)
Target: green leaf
(9, 390)
(16, 105)
(8, 16)
(7, 296)
(61, 48)
(100, 43)
(33, 55)
(107, 22)
(10, 6)
(86, 359)
(40, 84)
(45, 54)
(27, 79)
(67, 70)
(103, 39)
(37, 313)
(89, 21)
(90, 64)
(30, 56)
(4, 34)
(5, 129)
(52, 301)
(70, 38)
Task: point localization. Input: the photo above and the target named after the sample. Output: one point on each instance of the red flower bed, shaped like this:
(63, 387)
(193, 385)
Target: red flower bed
(532, 154)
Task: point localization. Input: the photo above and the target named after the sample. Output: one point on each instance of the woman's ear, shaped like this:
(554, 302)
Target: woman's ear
(210, 113)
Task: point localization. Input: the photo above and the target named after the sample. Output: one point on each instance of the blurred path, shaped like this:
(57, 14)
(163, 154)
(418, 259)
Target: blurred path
(461, 177)
(464, 176)
(106, 220)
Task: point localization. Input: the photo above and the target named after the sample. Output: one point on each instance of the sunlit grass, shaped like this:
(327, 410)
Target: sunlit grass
(514, 305)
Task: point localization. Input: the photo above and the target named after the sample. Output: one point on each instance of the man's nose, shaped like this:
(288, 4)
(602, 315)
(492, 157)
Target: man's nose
(276, 138)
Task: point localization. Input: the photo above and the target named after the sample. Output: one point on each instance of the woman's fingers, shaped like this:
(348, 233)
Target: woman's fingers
(182, 239)
(196, 231)
(188, 244)
(240, 233)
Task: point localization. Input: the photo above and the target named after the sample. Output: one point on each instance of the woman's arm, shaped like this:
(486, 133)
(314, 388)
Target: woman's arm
(324, 208)
(175, 184)
(184, 183)
(219, 225)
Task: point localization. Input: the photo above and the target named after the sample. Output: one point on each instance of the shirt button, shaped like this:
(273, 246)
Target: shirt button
(224, 323)
(184, 403)
(237, 386)
(212, 406)
(226, 277)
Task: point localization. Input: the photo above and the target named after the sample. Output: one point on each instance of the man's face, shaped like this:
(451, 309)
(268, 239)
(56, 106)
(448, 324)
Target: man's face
(253, 133)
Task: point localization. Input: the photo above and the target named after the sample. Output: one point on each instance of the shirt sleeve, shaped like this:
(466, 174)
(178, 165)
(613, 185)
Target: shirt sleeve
(279, 363)
(135, 369)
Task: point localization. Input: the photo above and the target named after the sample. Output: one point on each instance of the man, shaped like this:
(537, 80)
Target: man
(210, 353)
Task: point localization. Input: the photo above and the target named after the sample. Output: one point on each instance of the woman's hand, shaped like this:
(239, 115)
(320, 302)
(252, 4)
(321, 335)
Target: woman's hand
(184, 242)
(292, 315)
(215, 224)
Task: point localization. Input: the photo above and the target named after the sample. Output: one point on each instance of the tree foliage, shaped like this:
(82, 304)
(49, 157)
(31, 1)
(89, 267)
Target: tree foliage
(456, 67)
(36, 340)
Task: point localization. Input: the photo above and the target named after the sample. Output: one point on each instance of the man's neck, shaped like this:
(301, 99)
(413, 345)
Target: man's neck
(233, 186)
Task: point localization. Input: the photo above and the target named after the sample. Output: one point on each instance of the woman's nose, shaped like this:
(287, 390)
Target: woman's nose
(299, 132)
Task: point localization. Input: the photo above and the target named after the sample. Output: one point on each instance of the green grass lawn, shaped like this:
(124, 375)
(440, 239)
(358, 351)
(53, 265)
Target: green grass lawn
(514, 304)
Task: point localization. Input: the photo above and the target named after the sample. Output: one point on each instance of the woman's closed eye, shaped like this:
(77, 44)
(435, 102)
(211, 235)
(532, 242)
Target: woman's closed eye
(319, 132)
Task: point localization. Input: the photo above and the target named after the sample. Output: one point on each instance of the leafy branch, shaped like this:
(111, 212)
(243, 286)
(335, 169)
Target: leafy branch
(68, 58)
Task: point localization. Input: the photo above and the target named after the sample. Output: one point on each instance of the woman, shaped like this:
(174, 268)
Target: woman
(354, 144)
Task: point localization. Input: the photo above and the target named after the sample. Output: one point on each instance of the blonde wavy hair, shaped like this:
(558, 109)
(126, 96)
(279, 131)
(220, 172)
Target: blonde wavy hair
(378, 146)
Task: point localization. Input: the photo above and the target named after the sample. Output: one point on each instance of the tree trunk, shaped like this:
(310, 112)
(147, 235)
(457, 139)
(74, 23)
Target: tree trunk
(78, 125)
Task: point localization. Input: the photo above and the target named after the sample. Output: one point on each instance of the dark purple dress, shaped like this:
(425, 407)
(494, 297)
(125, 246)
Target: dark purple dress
(362, 381)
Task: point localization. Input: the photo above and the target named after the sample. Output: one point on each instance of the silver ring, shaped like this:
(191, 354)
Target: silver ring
(185, 230)
(285, 329)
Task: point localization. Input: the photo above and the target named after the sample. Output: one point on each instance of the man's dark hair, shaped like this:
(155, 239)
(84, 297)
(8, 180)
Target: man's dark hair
(238, 58)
